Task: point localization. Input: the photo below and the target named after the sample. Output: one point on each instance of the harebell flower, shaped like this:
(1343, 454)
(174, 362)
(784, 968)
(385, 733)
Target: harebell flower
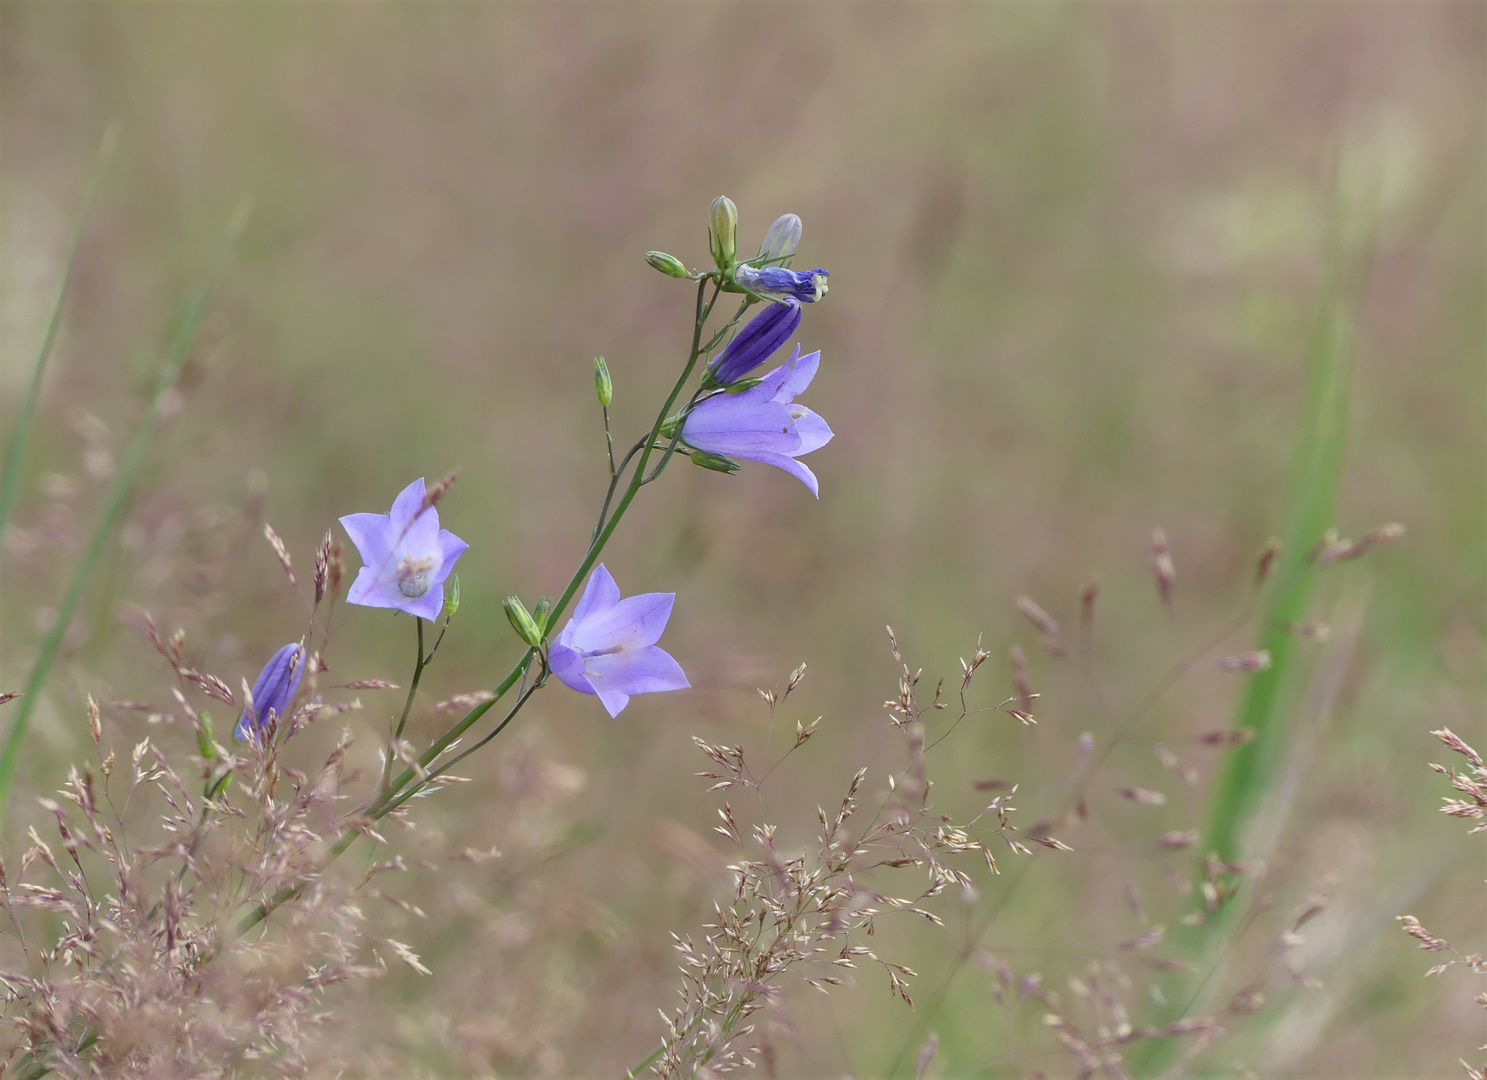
(609, 646)
(763, 423)
(407, 556)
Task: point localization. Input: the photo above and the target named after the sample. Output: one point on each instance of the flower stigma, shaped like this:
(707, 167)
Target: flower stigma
(413, 576)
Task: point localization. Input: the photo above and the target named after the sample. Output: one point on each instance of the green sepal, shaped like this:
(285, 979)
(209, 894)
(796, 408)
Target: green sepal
(715, 462)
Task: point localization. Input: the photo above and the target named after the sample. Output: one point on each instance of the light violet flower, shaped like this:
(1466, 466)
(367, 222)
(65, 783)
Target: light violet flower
(609, 646)
(273, 691)
(406, 556)
(763, 423)
(761, 337)
(807, 286)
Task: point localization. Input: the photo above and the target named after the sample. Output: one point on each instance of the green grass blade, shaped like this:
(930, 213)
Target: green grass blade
(1251, 769)
(118, 496)
(15, 453)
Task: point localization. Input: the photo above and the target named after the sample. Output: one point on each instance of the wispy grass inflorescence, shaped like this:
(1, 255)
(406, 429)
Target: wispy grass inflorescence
(1473, 784)
(144, 976)
(807, 915)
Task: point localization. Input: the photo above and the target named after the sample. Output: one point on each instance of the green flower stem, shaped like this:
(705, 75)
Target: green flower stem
(596, 547)
(452, 762)
(113, 507)
(419, 665)
(394, 795)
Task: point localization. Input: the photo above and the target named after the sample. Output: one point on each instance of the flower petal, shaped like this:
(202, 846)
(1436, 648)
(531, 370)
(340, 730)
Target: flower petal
(372, 535)
(613, 701)
(407, 504)
(794, 468)
(451, 547)
(369, 590)
(599, 595)
(633, 623)
(426, 606)
(813, 432)
(633, 671)
(567, 665)
(740, 424)
(799, 371)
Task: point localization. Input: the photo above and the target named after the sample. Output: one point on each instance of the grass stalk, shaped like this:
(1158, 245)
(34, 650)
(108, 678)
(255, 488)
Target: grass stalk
(113, 507)
(20, 433)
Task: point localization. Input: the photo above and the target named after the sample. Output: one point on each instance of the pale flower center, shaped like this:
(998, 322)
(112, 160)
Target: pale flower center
(413, 576)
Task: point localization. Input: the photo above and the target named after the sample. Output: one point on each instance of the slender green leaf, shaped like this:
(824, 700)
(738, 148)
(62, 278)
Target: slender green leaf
(113, 506)
(20, 434)
(1251, 769)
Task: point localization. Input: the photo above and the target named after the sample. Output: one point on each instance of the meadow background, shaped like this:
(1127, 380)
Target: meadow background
(1075, 252)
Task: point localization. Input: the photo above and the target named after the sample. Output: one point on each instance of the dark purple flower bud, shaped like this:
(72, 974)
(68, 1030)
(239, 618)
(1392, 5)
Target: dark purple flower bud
(761, 337)
(807, 286)
(273, 691)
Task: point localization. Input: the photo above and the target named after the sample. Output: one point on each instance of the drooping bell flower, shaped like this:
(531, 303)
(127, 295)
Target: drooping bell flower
(807, 286)
(273, 691)
(609, 646)
(761, 337)
(763, 423)
(406, 555)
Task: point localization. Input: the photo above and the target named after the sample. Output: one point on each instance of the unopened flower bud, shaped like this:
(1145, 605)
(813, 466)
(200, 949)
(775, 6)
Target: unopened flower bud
(206, 736)
(715, 462)
(669, 265)
(542, 612)
(722, 232)
(782, 239)
(761, 337)
(603, 385)
(522, 622)
(668, 427)
(452, 601)
(272, 692)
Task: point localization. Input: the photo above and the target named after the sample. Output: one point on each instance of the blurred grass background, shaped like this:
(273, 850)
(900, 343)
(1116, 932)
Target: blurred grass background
(1074, 251)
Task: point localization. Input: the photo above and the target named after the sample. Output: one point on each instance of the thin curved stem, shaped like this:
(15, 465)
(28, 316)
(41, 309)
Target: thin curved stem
(397, 734)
